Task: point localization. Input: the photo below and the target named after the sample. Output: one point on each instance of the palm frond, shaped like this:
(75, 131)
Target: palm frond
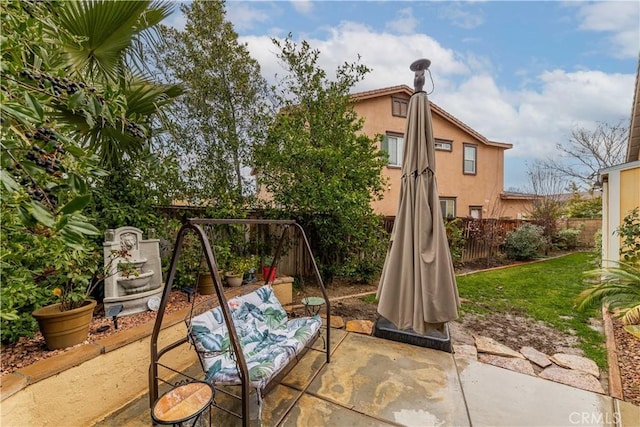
(632, 316)
(110, 33)
(144, 98)
(618, 287)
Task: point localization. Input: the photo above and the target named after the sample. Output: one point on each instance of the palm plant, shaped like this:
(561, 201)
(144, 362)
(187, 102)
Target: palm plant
(618, 287)
(109, 54)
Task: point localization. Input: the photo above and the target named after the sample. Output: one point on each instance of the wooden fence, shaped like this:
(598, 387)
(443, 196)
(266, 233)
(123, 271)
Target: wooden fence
(483, 238)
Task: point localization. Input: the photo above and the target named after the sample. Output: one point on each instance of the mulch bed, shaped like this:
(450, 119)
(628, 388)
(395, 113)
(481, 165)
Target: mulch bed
(628, 349)
(29, 350)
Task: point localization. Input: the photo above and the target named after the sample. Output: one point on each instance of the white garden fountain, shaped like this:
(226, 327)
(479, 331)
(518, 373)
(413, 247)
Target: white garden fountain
(135, 279)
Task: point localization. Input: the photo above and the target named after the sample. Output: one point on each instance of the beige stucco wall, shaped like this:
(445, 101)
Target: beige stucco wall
(515, 208)
(482, 189)
(629, 191)
(84, 394)
(620, 194)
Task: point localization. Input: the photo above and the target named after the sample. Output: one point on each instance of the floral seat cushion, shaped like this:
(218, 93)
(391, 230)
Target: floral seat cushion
(268, 340)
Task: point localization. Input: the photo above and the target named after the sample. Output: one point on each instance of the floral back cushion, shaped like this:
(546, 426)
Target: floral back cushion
(266, 336)
(252, 313)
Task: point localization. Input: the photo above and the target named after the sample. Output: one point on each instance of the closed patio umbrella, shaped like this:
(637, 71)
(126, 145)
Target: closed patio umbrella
(417, 288)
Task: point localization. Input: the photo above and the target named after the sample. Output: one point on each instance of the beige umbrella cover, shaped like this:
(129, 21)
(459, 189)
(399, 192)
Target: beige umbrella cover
(418, 285)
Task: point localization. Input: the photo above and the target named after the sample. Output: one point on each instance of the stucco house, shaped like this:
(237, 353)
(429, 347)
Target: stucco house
(621, 186)
(469, 167)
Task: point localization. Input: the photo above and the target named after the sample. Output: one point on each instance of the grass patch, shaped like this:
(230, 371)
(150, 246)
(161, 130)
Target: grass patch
(369, 299)
(542, 291)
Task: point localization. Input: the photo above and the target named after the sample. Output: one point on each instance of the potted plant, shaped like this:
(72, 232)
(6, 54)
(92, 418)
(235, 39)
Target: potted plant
(237, 267)
(222, 253)
(66, 322)
(269, 269)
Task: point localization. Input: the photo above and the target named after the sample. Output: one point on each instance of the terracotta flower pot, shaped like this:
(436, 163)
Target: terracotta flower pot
(62, 329)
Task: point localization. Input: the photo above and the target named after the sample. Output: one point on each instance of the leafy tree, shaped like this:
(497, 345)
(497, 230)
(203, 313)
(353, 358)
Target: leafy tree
(109, 53)
(588, 151)
(455, 238)
(53, 109)
(215, 124)
(583, 207)
(317, 165)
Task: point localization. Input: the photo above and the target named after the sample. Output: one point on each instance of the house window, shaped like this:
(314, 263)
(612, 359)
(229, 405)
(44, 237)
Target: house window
(443, 144)
(475, 212)
(448, 207)
(470, 159)
(392, 144)
(399, 106)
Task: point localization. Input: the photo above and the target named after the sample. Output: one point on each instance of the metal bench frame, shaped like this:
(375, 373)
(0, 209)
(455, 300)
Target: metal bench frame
(196, 225)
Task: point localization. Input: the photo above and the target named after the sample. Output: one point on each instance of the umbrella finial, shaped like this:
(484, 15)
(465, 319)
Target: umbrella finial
(419, 67)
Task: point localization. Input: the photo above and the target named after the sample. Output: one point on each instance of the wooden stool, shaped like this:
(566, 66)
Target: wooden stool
(183, 403)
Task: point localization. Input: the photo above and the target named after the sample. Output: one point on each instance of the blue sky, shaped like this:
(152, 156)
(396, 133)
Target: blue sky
(519, 72)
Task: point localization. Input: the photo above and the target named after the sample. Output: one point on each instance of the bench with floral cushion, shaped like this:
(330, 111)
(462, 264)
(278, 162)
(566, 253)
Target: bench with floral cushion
(269, 341)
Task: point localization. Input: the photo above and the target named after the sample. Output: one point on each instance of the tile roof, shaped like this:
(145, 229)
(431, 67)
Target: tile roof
(404, 89)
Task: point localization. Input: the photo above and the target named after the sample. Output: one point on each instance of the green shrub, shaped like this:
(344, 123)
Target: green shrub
(566, 239)
(455, 238)
(525, 242)
(596, 252)
(629, 232)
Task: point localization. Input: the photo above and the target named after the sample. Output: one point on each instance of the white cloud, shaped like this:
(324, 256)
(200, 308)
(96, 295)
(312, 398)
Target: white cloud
(621, 19)
(533, 118)
(243, 16)
(462, 15)
(404, 23)
(388, 55)
(302, 6)
(535, 121)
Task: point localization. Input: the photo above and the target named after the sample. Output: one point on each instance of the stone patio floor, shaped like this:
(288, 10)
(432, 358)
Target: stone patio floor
(375, 382)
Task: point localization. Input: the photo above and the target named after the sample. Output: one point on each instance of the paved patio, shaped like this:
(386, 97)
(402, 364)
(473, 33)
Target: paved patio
(372, 381)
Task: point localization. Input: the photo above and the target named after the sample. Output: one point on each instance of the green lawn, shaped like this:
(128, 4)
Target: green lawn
(542, 291)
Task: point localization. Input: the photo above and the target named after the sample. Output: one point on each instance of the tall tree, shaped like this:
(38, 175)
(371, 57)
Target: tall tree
(317, 164)
(588, 151)
(223, 111)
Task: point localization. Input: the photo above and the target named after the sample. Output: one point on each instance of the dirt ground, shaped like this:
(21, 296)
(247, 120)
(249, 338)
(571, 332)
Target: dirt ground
(513, 331)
